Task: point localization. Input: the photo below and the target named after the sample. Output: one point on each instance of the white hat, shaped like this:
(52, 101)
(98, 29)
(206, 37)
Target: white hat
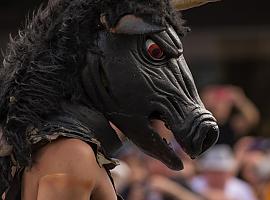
(218, 158)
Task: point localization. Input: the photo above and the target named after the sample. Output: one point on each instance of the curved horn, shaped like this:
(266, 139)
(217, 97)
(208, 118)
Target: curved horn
(187, 4)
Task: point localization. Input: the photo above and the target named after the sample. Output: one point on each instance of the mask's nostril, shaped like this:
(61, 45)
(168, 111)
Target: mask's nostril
(211, 138)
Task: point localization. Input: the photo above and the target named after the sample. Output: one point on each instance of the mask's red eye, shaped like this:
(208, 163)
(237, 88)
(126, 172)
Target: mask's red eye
(153, 50)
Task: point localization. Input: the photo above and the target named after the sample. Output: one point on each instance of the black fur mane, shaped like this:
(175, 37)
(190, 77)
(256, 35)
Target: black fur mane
(42, 65)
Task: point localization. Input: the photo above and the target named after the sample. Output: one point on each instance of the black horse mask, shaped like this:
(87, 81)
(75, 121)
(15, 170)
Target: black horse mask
(142, 75)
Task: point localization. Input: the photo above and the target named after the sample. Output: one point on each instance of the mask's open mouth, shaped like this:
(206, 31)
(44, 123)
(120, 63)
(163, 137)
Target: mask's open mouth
(158, 125)
(165, 152)
(198, 133)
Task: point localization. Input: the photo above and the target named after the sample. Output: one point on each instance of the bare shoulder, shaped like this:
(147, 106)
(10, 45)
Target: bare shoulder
(67, 156)
(66, 169)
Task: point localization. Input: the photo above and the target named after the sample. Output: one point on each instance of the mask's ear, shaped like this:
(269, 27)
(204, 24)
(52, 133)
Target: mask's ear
(130, 24)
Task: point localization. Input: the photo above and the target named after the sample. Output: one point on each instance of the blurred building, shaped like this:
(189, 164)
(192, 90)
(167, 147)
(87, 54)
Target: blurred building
(229, 43)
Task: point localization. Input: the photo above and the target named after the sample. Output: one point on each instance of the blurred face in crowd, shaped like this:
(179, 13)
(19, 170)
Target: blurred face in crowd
(218, 101)
(249, 163)
(217, 178)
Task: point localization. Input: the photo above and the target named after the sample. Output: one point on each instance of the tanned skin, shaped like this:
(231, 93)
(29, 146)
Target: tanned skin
(66, 169)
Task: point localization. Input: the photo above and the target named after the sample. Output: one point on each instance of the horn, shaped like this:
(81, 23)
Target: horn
(187, 4)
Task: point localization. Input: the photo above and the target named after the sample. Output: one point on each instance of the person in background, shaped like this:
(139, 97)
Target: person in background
(165, 184)
(252, 154)
(121, 175)
(151, 180)
(217, 180)
(235, 112)
(263, 172)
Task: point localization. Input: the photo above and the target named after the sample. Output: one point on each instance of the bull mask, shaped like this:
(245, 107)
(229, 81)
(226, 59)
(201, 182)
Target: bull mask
(142, 75)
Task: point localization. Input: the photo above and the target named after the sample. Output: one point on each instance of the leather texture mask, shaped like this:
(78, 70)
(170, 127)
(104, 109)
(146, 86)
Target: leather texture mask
(140, 77)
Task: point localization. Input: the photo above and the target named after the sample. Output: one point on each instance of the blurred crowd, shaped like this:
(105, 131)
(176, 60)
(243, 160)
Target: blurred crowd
(236, 168)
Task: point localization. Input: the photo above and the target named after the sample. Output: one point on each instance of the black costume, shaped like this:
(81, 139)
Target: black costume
(82, 63)
(72, 125)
